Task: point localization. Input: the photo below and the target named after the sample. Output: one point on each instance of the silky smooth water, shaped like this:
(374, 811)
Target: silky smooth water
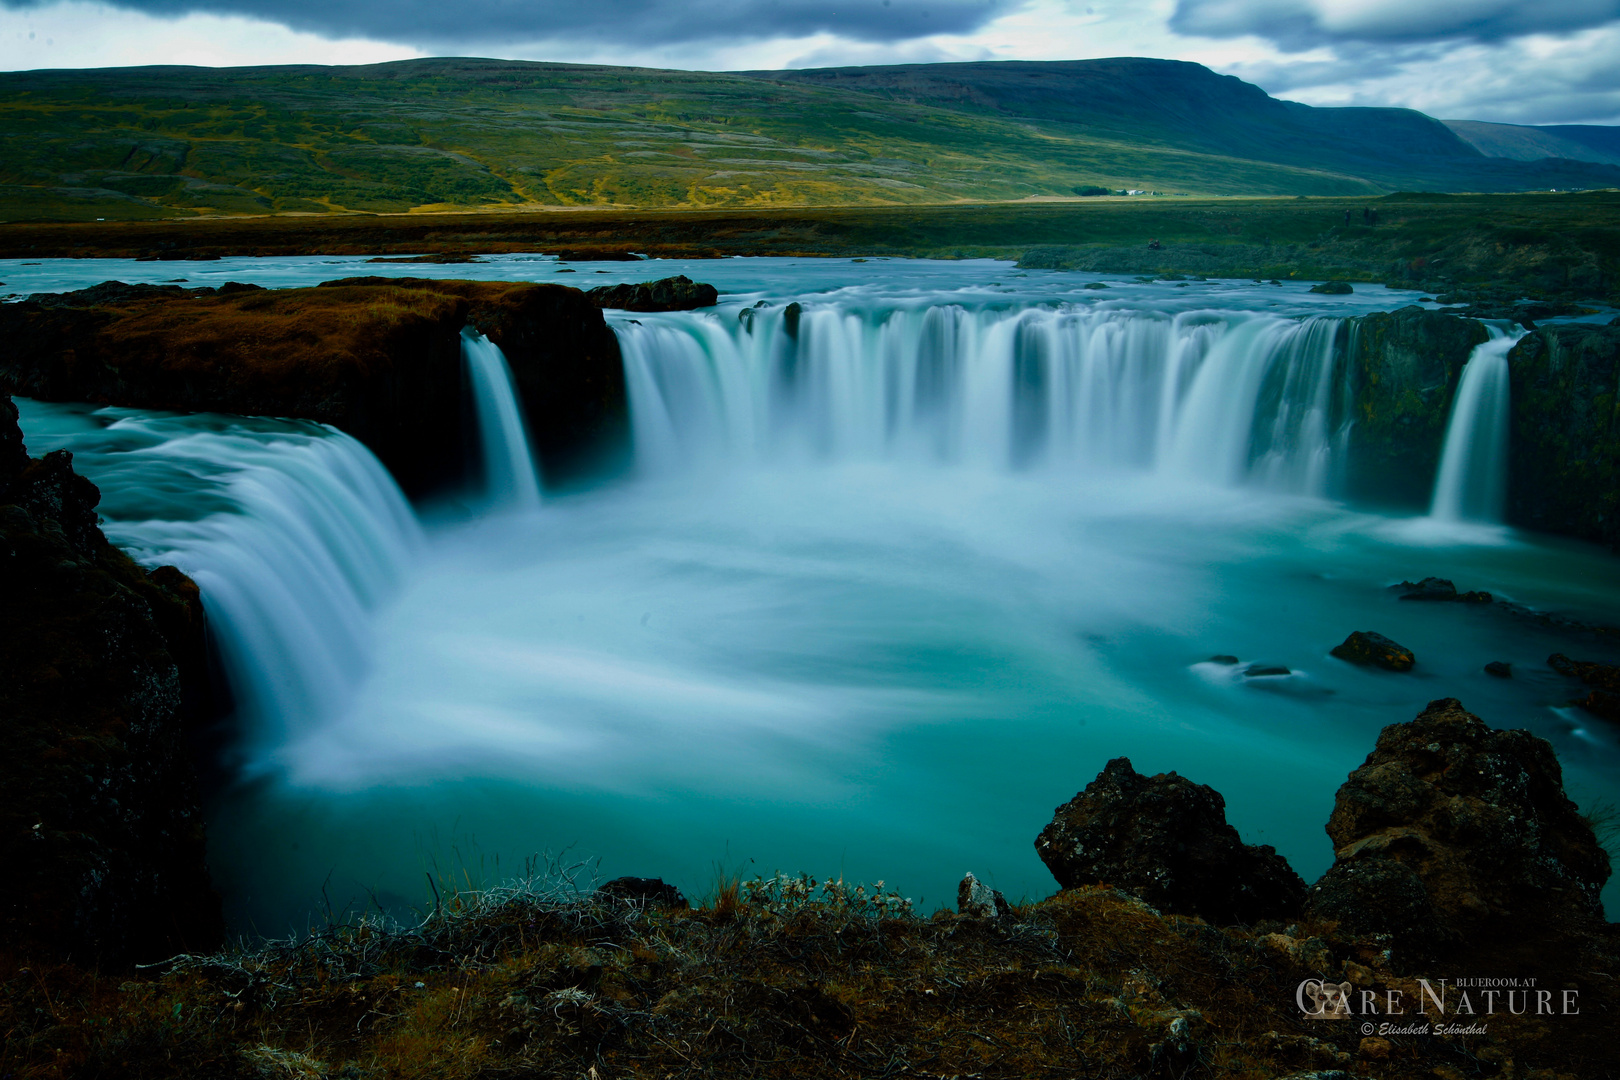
(874, 611)
(1472, 480)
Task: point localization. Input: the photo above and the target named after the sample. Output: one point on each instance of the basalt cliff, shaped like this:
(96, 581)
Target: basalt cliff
(379, 358)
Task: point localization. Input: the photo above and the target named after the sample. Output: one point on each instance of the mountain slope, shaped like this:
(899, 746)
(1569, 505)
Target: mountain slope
(451, 134)
(1184, 105)
(1577, 142)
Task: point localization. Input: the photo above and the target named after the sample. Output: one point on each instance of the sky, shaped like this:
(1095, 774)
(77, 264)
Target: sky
(1543, 62)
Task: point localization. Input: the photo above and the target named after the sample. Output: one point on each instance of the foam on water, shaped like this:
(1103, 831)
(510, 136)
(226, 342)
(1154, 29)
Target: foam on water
(882, 594)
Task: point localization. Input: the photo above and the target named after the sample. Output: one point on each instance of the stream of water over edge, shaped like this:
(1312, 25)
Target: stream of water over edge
(877, 600)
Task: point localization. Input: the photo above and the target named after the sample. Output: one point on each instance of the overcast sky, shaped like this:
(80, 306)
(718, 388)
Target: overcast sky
(1542, 62)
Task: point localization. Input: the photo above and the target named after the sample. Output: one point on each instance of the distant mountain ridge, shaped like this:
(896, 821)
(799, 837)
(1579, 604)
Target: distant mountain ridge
(465, 133)
(1577, 142)
(1182, 104)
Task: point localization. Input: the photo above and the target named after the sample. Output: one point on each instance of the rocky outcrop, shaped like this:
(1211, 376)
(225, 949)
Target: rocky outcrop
(379, 358)
(678, 293)
(1452, 833)
(976, 900)
(1438, 589)
(1404, 369)
(1166, 840)
(1604, 679)
(101, 666)
(1564, 470)
(1371, 649)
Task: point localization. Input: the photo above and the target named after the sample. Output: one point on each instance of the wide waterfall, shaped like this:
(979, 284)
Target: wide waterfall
(1471, 484)
(1222, 397)
(507, 456)
(900, 570)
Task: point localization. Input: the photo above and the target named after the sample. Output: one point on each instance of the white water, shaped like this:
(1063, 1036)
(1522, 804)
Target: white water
(1471, 483)
(1209, 397)
(295, 533)
(511, 481)
(875, 611)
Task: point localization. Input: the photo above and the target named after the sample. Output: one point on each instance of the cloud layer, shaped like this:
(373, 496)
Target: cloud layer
(436, 23)
(1556, 61)
(1306, 24)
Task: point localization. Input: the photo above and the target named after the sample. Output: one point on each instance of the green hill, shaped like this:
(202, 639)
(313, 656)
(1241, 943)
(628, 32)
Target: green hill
(459, 134)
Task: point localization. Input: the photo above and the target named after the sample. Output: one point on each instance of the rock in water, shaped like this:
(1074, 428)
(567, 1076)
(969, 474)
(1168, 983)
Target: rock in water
(1454, 834)
(1333, 288)
(976, 899)
(1165, 839)
(1366, 647)
(1434, 588)
(643, 892)
(1500, 668)
(1602, 676)
(678, 293)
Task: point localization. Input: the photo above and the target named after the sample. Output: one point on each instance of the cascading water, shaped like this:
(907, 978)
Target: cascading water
(1218, 397)
(1471, 484)
(511, 481)
(294, 532)
(869, 665)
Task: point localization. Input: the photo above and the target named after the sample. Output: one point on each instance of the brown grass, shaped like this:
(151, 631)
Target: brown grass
(778, 978)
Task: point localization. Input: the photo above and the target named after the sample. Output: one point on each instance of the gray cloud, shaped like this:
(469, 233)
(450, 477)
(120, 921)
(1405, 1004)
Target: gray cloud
(437, 23)
(1306, 24)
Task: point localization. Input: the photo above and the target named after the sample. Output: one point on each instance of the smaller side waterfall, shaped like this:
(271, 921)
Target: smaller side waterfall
(510, 479)
(1472, 481)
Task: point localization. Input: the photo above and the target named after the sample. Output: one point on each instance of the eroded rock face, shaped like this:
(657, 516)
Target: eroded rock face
(1405, 366)
(678, 293)
(1564, 474)
(1452, 832)
(101, 664)
(1166, 839)
(379, 358)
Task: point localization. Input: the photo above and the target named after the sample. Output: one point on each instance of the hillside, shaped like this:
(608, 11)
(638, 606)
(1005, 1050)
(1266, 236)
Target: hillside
(457, 134)
(1578, 142)
(1172, 103)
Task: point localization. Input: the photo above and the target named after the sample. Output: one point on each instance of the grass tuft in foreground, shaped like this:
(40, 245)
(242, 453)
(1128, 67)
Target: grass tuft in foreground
(779, 977)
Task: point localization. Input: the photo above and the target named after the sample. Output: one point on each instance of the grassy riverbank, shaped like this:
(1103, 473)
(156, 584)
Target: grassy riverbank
(1564, 245)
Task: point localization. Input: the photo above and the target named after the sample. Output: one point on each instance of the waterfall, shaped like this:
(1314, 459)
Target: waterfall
(510, 479)
(294, 532)
(1471, 484)
(1224, 397)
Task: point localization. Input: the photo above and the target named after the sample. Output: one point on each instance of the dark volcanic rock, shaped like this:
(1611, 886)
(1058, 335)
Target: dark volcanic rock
(648, 892)
(1434, 588)
(1368, 648)
(1335, 288)
(1405, 366)
(101, 667)
(1602, 676)
(1564, 473)
(679, 293)
(1166, 839)
(1604, 700)
(379, 358)
(1451, 833)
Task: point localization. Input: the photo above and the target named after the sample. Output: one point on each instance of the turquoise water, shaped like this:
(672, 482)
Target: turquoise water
(830, 654)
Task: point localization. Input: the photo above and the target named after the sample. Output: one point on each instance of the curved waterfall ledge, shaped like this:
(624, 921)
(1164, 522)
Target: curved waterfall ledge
(378, 358)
